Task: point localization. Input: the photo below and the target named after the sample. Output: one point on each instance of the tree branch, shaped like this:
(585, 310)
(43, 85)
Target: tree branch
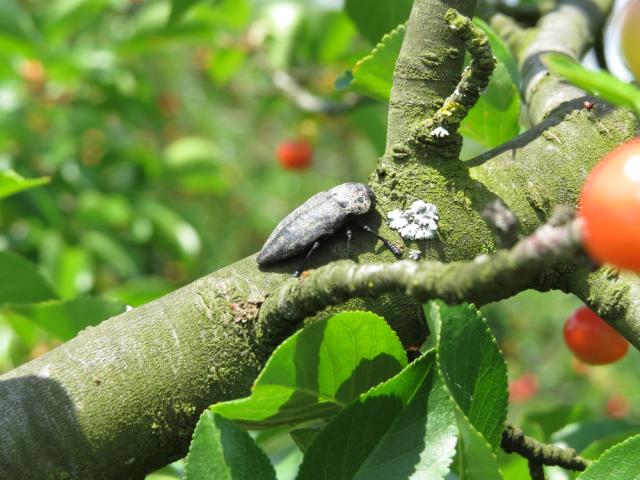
(515, 441)
(309, 102)
(569, 29)
(482, 280)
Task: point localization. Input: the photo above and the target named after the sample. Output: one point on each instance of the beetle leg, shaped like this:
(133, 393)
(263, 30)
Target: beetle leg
(313, 248)
(392, 248)
(349, 235)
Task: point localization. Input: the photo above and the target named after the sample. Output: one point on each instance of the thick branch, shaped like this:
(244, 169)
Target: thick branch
(482, 280)
(570, 29)
(427, 69)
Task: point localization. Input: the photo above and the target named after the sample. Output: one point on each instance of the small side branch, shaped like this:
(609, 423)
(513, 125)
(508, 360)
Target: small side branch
(309, 102)
(474, 80)
(536, 470)
(482, 280)
(515, 441)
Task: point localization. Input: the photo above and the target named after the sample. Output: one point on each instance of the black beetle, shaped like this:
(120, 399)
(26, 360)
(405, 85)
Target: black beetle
(320, 216)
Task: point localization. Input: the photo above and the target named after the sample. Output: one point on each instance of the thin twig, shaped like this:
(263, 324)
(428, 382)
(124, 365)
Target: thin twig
(536, 470)
(309, 102)
(515, 441)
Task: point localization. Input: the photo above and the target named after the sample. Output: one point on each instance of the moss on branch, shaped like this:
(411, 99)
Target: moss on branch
(482, 280)
(474, 80)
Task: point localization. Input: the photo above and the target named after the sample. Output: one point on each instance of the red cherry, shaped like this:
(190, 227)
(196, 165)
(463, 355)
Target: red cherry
(593, 340)
(610, 207)
(523, 388)
(294, 154)
(617, 406)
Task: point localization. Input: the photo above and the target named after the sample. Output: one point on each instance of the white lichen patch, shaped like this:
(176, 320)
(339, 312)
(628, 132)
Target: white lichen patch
(418, 222)
(440, 132)
(415, 254)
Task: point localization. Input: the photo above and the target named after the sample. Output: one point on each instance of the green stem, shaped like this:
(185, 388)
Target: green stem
(515, 441)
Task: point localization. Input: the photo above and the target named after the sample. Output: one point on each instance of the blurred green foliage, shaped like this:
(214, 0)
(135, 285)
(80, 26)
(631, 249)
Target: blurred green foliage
(137, 145)
(155, 125)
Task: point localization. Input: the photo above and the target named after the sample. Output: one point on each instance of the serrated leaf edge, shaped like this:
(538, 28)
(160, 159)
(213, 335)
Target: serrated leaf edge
(471, 307)
(608, 450)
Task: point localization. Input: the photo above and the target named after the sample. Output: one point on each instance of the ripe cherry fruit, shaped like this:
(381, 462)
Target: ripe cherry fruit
(593, 340)
(294, 154)
(610, 207)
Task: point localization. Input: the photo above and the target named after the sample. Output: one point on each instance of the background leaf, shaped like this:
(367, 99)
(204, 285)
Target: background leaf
(12, 183)
(27, 283)
(373, 23)
(599, 83)
(63, 319)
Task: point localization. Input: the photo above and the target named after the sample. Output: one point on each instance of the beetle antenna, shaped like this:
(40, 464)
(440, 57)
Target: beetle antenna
(375, 201)
(392, 248)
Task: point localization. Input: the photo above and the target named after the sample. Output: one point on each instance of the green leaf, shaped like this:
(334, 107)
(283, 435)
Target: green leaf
(319, 370)
(476, 460)
(548, 421)
(404, 428)
(493, 120)
(472, 367)
(304, 437)
(63, 319)
(27, 283)
(373, 75)
(176, 231)
(222, 451)
(580, 435)
(12, 183)
(622, 462)
(599, 83)
(598, 447)
(139, 291)
(475, 376)
(179, 8)
(374, 19)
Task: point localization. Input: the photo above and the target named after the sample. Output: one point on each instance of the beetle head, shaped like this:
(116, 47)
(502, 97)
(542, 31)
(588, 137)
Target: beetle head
(356, 198)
